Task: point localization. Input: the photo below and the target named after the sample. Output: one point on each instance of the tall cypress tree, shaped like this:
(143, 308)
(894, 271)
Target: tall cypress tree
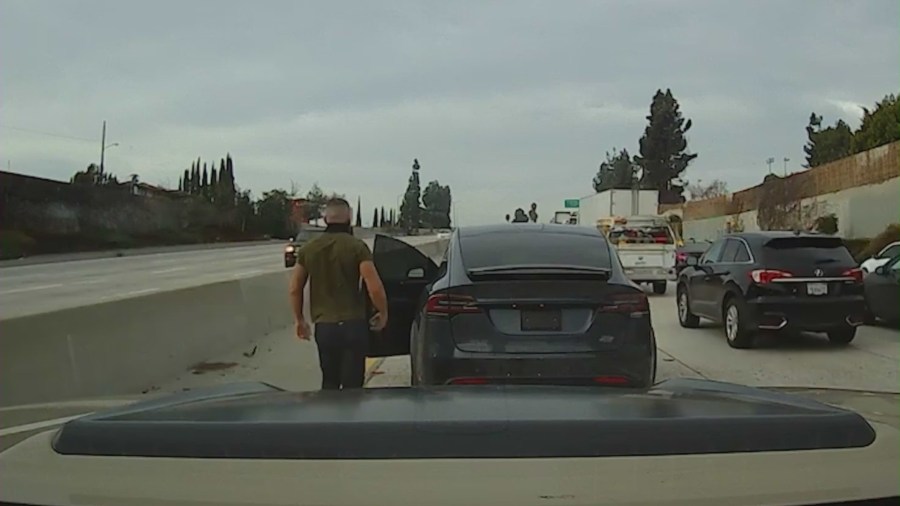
(375, 219)
(411, 206)
(204, 181)
(358, 212)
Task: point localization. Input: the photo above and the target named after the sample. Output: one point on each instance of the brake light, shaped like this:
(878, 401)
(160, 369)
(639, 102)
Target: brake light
(445, 303)
(765, 276)
(468, 381)
(681, 257)
(611, 380)
(627, 303)
(856, 274)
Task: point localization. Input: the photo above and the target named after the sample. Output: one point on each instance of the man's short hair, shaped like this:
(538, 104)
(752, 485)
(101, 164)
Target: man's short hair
(337, 202)
(337, 210)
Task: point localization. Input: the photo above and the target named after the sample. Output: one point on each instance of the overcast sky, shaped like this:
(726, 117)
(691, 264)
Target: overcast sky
(507, 102)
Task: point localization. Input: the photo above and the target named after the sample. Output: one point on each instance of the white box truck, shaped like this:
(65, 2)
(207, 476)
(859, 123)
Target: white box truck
(611, 203)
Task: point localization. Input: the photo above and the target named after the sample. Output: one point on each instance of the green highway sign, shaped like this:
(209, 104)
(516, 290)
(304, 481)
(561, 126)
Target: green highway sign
(572, 203)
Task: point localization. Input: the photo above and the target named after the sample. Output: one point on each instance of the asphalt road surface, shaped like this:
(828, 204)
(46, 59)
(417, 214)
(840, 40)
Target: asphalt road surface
(35, 289)
(871, 363)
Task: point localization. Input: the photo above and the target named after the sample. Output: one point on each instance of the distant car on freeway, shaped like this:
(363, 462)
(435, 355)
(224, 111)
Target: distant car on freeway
(526, 304)
(774, 281)
(689, 249)
(294, 245)
(444, 234)
(882, 257)
(882, 287)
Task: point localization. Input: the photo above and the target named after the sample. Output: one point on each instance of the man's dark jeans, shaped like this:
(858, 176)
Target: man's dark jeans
(342, 353)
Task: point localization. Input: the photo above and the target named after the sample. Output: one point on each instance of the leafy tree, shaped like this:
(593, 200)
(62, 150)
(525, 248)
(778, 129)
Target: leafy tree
(358, 212)
(274, 210)
(315, 203)
(617, 172)
(700, 191)
(436, 200)
(878, 127)
(828, 144)
(375, 219)
(663, 148)
(91, 176)
(410, 208)
(532, 213)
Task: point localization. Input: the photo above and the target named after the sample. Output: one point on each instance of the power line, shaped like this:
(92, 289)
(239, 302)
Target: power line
(48, 134)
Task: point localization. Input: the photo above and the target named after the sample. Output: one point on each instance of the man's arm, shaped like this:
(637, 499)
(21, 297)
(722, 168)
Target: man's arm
(298, 283)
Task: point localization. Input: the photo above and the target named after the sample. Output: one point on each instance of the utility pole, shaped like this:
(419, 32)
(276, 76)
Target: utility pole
(102, 146)
(786, 160)
(769, 162)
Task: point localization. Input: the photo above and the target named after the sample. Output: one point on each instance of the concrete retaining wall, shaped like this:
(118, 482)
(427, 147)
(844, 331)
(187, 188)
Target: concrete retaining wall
(126, 346)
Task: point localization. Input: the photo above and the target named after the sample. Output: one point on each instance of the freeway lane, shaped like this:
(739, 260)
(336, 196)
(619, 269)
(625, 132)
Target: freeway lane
(35, 289)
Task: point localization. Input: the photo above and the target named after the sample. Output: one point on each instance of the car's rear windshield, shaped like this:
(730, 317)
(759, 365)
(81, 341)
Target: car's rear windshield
(806, 251)
(522, 248)
(641, 235)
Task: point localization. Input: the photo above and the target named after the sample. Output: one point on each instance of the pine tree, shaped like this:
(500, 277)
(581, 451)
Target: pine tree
(663, 148)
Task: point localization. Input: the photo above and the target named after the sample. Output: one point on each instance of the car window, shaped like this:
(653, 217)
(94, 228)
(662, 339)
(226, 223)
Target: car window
(713, 253)
(526, 248)
(730, 251)
(890, 251)
(801, 252)
(743, 255)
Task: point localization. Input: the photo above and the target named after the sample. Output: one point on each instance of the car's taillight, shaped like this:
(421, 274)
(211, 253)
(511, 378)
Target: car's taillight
(611, 380)
(764, 276)
(681, 257)
(444, 303)
(856, 274)
(626, 303)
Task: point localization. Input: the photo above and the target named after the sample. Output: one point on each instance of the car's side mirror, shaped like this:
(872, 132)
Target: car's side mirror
(417, 273)
(692, 261)
(881, 271)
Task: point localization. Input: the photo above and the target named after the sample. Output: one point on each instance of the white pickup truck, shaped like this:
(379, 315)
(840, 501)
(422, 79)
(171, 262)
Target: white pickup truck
(646, 247)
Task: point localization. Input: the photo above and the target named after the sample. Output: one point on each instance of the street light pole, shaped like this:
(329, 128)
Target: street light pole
(102, 146)
(786, 160)
(769, 162)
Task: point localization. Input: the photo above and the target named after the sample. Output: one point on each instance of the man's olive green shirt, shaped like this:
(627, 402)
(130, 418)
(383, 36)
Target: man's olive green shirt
(332, 261)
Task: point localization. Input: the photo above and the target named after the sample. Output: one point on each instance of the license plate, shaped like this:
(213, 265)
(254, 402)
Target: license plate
(817, 288)
(541, 320)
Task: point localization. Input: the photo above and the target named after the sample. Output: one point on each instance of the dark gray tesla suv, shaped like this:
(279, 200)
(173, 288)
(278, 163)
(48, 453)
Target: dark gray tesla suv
(522, 303)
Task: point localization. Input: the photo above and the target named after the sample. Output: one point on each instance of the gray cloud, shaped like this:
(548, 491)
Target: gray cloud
(508, 102)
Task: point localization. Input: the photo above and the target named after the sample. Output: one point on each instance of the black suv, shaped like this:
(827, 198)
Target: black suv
(774, 281)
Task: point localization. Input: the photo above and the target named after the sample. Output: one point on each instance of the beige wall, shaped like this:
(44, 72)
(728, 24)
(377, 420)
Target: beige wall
(862, 190)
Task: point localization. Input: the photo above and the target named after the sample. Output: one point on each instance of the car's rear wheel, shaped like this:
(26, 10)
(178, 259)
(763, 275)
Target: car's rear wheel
(737, 332)
(685, 317)
(842, 335)
(659, 287)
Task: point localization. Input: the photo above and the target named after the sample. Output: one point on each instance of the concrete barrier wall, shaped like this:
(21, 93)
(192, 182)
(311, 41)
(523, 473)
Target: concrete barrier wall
(126, 346)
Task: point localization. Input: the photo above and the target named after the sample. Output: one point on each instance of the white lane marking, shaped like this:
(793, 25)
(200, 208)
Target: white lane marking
(137, 292)
(38, 425)
(30, 288)
(173, 269)
(93, 281)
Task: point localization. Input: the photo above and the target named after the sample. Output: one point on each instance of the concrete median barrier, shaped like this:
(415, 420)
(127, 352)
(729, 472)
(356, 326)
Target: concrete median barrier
(129, 345)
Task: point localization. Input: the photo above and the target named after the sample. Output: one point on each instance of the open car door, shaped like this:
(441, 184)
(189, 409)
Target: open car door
(405, 271)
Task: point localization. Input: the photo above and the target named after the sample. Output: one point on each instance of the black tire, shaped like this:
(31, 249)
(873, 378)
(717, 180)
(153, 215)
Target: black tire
(842, 335)
(659, 287)
(734, 317)
(686, 318)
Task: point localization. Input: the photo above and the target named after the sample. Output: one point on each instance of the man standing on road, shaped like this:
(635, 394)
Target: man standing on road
(337, 265)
